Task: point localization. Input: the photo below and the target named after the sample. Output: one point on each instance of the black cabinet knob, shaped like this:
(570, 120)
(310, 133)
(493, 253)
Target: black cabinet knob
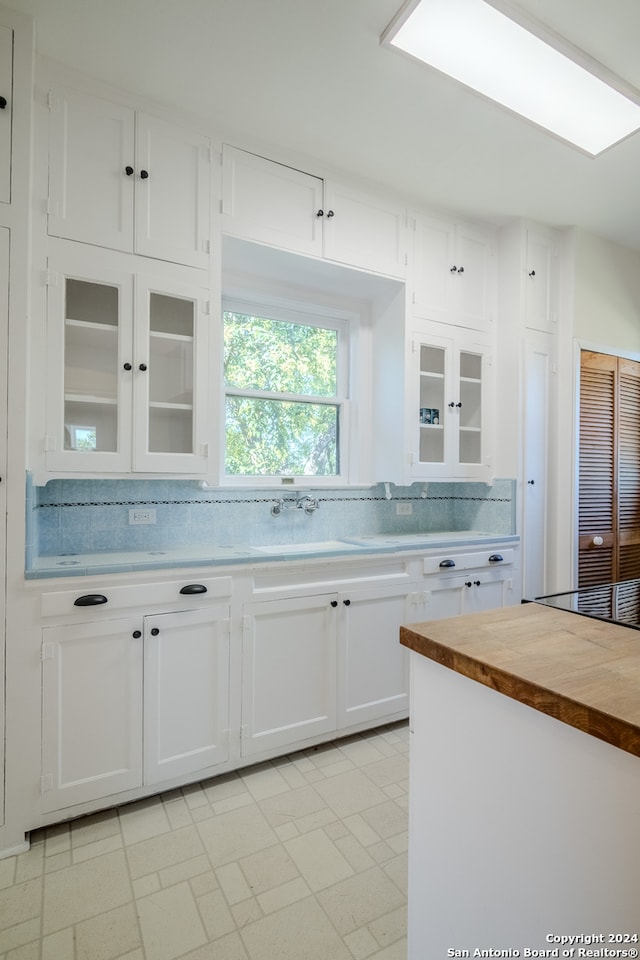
(460, 269)
(452, 404)
(191, 588)
(90, 600)
(347, 603)
(128, 170)
(3, 102)
(477, 583)
(447, 563)
(334, 603)
(127, 366)
(144, 174)
(468, 583)
(142, 367)
(330, 213)
(136, 634)
(320, 213)
(496, 558)
(532, 273)
(453, 269)
(154, 631)
(458, 405)
(531, 482)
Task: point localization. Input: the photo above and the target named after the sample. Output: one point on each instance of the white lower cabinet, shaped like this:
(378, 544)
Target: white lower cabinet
(373, 669)
(288, 671)
(186, 692)
(317, 664)
(133, 701)
(469, 583)
(91, 711)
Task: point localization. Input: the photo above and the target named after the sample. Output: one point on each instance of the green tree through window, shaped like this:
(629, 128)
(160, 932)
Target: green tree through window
(282, 397)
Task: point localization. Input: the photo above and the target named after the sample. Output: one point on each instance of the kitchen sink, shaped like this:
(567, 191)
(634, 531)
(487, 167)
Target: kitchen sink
(311, 548)
(410, 541)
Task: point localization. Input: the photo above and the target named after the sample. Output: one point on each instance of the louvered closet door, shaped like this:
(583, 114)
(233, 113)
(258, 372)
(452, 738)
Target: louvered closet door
(597, 470)
(609, 505)
(628, 469)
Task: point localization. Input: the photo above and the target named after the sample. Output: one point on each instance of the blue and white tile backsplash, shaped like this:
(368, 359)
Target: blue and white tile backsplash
(92, 516)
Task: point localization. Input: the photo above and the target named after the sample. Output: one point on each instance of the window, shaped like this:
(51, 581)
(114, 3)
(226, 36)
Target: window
(285, 391)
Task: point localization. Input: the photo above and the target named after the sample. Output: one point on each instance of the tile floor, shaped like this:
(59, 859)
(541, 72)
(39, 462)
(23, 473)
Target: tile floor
(300, 858)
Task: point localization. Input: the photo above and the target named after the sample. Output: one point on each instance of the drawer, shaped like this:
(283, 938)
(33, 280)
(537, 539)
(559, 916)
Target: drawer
(167, 593)
(455, 562)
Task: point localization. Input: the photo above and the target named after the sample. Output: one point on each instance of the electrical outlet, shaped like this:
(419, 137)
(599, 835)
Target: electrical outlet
(142, 516)
(404, 509)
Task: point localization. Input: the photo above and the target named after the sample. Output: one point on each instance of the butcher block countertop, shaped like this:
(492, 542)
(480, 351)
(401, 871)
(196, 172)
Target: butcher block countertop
(579, 670)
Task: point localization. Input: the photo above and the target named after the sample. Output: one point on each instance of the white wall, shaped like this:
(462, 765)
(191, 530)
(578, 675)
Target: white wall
(607, 294)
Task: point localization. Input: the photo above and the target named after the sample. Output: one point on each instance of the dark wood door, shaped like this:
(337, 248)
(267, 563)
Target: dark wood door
(609, 469)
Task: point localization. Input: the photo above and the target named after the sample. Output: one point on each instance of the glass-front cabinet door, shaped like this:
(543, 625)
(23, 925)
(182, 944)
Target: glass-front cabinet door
(170, 391)
(89, 326)
(449, 414)
(469, 406)
(127, 386)
(434, 361)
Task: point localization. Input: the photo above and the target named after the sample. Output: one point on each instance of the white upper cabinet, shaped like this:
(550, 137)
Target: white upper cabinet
(126, 180)
(539, 283)
(271, 203)
(127, 377)
(6, 103)
(449, 418)
(364, 230)
(452, 273)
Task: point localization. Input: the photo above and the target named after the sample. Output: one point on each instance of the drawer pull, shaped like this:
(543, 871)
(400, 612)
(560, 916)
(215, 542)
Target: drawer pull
(191, 588)
(496, 558)
(447, 563)
(90, 600)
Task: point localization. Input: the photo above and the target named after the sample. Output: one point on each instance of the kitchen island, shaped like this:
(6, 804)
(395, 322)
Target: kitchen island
(525, 786)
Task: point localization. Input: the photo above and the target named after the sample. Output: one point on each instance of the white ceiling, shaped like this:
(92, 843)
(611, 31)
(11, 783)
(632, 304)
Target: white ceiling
(310, 75)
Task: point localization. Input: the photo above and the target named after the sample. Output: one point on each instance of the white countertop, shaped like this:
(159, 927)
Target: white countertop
(225, 554)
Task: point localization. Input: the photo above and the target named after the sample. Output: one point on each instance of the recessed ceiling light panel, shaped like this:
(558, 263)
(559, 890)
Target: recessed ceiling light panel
(537, 75)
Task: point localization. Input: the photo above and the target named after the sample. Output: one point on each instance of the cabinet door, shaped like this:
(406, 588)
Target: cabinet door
(6, 93)
(450, 415)
(89, 343)
(172, 200)
(91, 147)
(271, 203)
(477, 590)
(170, 378)
(186, 692)
(470, 374)
(444, 597)
(538, 359)
(91, 711)
(540, 310)
(432, 266)
(289, 672)
(472, 281)
(452, 273)
(363, 231)
(482, 591)
(431, 414)
(373, 669)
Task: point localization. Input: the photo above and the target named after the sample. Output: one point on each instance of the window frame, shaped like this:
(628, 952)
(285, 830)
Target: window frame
(344, 322)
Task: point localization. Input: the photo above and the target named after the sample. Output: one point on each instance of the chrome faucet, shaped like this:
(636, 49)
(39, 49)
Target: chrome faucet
(308, 504)
(305, 502)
